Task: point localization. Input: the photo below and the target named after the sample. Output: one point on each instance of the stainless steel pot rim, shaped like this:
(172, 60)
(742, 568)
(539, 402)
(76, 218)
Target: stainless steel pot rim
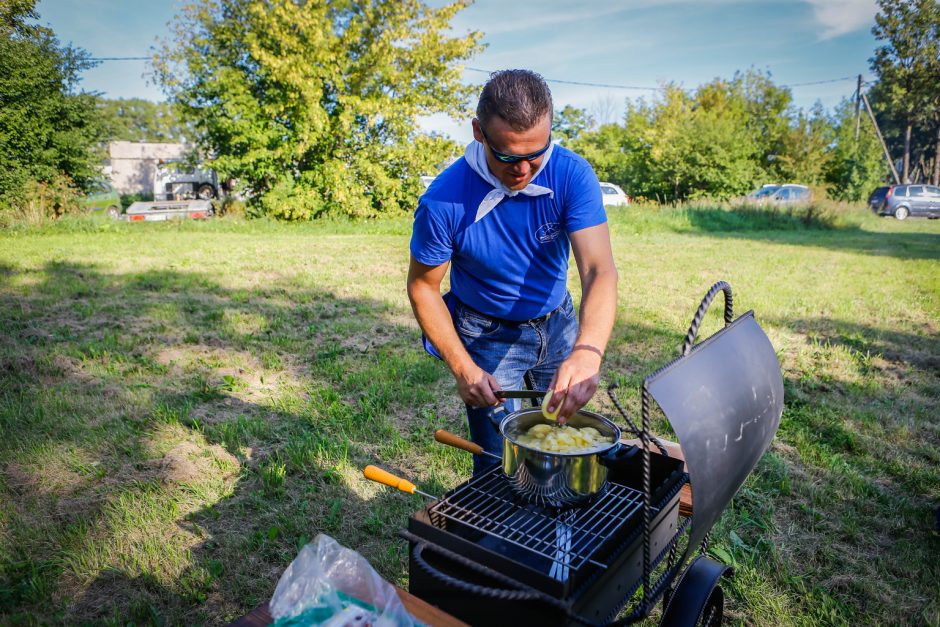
(588, 414)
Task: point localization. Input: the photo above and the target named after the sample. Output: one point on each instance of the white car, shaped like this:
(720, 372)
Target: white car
(613, 195)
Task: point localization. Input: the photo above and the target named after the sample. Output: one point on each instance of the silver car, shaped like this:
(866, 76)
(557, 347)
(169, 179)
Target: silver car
(902, 201)
(773, 194)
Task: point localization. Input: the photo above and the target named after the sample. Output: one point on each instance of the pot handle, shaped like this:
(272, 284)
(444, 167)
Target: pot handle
(617, 454)
(450, 439)
(720, 286)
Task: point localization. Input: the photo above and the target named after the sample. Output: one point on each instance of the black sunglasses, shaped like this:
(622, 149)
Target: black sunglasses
(504, 158)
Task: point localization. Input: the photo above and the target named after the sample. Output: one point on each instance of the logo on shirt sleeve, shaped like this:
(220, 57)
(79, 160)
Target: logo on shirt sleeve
(548, 232)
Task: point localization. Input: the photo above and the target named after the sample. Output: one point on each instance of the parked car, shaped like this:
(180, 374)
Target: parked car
(613, 196)
(773, 194)
(767, 189)
(103, 197)
(791, 193)
(877, 198)
(763, 193)
(902, 201)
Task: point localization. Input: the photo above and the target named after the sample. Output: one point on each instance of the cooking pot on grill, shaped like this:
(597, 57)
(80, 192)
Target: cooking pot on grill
(548, 478)
(558, 479)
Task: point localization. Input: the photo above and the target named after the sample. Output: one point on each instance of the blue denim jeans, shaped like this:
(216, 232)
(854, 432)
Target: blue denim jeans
(510, 352)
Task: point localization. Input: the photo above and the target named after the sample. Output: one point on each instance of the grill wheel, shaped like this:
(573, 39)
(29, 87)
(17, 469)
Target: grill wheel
(714, 609)
(698, 600)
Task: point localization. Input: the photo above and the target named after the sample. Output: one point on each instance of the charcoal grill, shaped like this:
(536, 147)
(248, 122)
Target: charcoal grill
(488, 557)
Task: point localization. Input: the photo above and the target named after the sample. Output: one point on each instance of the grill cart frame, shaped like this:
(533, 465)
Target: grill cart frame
(723, 398)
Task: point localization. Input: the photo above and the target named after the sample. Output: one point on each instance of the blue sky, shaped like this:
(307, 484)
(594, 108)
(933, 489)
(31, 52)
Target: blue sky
(630, 42)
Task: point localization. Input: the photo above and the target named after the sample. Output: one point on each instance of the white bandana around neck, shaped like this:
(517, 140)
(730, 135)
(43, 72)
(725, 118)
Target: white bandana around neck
(476, 159)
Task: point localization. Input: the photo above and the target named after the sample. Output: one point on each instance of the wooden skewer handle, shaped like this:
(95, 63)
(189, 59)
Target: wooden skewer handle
(383, 476)
(446, 437)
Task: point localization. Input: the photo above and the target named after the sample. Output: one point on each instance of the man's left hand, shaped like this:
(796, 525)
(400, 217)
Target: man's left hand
(575, 383)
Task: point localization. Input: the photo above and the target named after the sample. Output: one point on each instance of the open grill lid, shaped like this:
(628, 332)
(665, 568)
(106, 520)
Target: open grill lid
(724, 399)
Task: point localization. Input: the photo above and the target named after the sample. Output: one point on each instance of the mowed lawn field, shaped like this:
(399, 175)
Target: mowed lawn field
(184, 406)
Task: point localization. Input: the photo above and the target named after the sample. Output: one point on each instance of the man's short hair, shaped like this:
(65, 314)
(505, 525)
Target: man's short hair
(521, 97)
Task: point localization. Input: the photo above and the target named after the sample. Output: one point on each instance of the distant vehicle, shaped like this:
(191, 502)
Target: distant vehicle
(161, 210)
(786, 194)
(764, 192)
(103, 197)
(902, 201)
(613, 196)
(877, 198)
(780, 194)
(427, 180)
(172, 181)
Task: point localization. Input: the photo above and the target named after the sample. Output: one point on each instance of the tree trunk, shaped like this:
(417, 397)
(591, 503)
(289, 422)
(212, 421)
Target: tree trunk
(906, 163)
(935, 177)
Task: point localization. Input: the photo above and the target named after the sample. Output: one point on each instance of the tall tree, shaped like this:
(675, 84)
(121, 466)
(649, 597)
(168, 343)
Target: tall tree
(903, 62)
(570, 122)
(932, 104)
(312, 105)
(607, 150)
(137, 119)
(856, 165)
(769, 116)
(805, 149)
(48, 129)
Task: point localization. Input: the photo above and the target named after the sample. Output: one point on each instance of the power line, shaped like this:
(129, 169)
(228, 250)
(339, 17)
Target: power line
(558, 80)
(120, 58)
(610, 86)
(831, 80)
(550, 80)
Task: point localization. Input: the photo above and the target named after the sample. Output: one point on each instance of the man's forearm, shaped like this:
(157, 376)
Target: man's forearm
(434, 319)
(598, 310)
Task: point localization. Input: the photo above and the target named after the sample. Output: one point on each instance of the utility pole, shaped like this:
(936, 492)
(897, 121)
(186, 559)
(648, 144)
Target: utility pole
(858, 104)
(897, 180)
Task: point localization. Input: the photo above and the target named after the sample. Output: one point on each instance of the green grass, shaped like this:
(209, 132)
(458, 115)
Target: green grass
(185, 405)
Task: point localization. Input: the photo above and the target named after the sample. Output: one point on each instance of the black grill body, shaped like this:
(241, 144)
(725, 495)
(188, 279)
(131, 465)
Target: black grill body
(489, 558)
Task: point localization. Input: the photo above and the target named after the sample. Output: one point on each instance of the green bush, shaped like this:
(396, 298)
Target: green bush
(128, 199)
(230, 207)
(38, 203)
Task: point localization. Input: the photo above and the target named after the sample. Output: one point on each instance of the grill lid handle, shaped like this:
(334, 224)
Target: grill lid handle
(720, 286)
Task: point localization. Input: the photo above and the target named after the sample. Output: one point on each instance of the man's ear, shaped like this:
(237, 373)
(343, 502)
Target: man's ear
(477, 133)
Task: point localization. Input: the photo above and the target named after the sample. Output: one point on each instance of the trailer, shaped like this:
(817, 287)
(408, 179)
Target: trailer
(160, 210)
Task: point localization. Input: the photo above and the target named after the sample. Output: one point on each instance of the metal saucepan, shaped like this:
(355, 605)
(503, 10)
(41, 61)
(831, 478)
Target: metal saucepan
(553, 479)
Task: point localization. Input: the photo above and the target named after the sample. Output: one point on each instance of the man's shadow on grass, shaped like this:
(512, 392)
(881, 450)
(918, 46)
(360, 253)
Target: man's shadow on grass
(173, 407)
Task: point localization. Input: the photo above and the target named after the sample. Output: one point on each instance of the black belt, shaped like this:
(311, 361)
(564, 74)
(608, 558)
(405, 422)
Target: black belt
(516, 323)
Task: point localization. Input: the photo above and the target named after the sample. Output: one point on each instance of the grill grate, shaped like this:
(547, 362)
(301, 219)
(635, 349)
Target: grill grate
(565, 538)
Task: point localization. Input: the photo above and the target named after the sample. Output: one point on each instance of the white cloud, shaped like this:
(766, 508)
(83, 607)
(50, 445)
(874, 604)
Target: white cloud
(838, 17)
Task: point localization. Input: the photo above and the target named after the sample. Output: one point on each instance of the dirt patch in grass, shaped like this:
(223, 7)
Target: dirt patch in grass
(53, 476)
(190, 463)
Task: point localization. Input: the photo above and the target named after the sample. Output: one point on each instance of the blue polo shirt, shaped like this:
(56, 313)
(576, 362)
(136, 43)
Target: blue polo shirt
(513, 262)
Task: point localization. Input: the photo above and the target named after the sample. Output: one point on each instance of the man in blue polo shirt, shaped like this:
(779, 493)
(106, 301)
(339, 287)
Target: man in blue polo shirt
(505, 217)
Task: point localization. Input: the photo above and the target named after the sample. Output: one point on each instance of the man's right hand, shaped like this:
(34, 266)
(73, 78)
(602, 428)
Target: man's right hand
(477, 387)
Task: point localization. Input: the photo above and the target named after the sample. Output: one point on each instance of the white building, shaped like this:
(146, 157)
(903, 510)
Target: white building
(133, 164)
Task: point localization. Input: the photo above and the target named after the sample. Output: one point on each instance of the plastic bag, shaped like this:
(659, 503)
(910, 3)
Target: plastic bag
(330, 585)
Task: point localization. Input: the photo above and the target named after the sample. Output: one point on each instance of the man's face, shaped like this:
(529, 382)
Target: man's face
(503, 138)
